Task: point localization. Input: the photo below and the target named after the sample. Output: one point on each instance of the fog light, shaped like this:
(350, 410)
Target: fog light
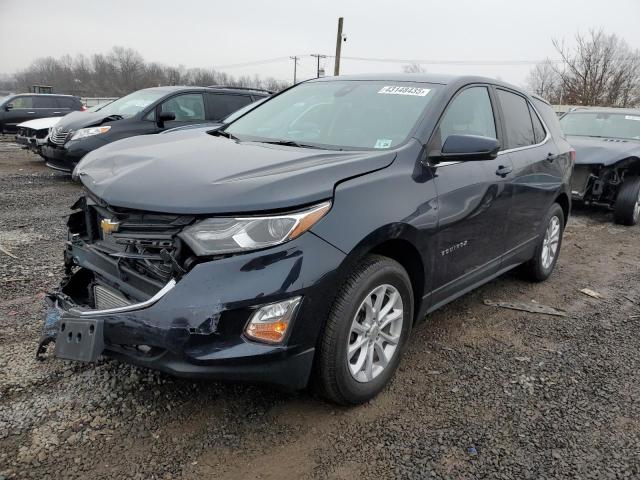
(270, 322)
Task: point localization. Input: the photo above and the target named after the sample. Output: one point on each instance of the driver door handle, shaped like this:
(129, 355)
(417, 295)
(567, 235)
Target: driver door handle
(503, 171)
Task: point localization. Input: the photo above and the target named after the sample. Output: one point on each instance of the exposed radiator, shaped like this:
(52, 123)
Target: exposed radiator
(106, 298)
(579, 180)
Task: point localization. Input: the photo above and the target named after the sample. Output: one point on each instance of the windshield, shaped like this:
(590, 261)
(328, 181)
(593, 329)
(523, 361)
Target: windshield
(133, 103)
(598, 124)
(338, 114)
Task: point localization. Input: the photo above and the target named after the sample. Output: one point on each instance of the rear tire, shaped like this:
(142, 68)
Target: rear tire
(363, 340)
(627, 207)
(544, 260)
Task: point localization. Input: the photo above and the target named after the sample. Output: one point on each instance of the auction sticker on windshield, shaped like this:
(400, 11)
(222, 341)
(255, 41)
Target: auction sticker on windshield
(396, 90)
(631, 117)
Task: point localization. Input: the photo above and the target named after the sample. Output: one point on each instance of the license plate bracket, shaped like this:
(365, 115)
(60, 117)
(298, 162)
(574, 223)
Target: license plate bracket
(80, 339)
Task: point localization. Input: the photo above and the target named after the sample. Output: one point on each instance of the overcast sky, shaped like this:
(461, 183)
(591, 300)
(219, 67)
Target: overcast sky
(199, 33)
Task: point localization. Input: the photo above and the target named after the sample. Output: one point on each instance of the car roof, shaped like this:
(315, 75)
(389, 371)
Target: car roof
(634, 111)
(443, 79)
(43, 95)
(178, 88)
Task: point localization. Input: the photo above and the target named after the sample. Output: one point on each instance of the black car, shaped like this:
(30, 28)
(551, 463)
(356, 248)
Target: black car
(607, 172)
(16, 109)
(306, 238)
(144, 112)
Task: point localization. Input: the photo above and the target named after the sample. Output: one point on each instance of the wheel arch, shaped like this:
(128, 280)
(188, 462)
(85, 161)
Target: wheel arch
(564, 201)
(398, 242)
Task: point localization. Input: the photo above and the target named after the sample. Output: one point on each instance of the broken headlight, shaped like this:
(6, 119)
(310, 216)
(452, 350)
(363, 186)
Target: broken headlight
(216, 236)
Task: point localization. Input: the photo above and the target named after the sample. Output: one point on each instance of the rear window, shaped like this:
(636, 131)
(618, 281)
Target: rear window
(517, 120)
(222, 105)
(550, 118)
(67, 102)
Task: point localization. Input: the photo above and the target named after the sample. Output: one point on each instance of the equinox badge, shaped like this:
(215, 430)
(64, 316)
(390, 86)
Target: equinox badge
(108, 226)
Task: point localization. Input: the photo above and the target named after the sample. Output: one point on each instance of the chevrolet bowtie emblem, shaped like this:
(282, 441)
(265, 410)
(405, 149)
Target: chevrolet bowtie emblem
(108, 226)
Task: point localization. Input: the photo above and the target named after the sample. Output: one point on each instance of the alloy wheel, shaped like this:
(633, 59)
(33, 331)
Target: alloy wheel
(375, 333)
(551, 242)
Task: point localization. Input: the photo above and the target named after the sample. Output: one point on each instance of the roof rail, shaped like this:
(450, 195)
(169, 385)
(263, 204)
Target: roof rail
(229, 87)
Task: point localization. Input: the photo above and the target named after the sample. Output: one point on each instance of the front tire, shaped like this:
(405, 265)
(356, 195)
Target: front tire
(366, 331)
(547, 251)
(627, 208)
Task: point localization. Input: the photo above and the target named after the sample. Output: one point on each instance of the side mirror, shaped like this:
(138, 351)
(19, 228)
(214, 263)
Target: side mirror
(8, 106)
(164, 117)
(468, 147)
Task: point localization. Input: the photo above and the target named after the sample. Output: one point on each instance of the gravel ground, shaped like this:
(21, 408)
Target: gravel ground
(482, 392)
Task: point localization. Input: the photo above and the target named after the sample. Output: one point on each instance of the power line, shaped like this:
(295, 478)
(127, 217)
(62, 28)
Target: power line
(450, 62)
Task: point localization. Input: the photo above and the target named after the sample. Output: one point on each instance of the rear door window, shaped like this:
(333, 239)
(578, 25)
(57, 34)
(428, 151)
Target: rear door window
(469, 113)
(187, 108)
(44, 102)
(221, 104)
(517, 120)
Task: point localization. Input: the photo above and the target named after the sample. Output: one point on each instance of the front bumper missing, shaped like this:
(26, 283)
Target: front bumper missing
(195, 328)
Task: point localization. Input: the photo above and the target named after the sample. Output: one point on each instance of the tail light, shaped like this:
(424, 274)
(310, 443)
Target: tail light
(83, 108)
(572, 155)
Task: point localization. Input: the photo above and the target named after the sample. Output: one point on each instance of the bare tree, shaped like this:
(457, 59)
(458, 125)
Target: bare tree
(545, 81)
(121, 71)
(599, 70)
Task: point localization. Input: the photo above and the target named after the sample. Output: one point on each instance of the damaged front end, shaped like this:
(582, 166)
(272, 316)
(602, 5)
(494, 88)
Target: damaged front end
(599, 184)
(135, 291)
(116, 260)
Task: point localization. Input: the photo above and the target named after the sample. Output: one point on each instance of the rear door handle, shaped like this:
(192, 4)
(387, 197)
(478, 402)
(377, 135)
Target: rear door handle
(503, 171)
(31, 112)
(56, 112)
(552, 156)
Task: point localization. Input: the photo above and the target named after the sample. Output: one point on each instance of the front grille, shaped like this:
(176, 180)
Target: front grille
(59, 136)
(106, 298)
(143, 241)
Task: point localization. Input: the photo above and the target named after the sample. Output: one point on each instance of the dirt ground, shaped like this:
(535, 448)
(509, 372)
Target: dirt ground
(482, 392)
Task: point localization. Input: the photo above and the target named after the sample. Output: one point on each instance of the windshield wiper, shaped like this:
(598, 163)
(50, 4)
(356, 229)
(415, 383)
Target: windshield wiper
(223, 133)
(292, 143)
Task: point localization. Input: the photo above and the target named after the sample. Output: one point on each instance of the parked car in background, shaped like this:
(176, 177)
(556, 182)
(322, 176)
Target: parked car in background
(33, 134)
(310, 234)
(20, 108)
(607, 172)
(144, 112)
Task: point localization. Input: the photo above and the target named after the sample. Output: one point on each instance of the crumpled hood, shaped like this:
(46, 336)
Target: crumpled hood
(603, 151)
(192, 172)
(77, 120)
(39, 123)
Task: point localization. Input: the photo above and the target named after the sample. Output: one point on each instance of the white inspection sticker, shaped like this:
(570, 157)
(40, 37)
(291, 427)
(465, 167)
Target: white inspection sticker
(631, 117)
(395, 90)
(382, 143)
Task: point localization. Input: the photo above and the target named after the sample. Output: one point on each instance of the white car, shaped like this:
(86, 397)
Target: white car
(34, 133)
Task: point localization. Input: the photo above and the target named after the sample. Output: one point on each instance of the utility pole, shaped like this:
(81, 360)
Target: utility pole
(336, 68)
(295, 65)
(318, 56)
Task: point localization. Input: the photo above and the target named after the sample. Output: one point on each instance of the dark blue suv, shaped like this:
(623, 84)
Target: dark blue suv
(305, 239)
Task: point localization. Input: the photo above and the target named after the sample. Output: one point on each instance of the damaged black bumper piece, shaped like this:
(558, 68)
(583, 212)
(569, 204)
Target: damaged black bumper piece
(195, 326)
